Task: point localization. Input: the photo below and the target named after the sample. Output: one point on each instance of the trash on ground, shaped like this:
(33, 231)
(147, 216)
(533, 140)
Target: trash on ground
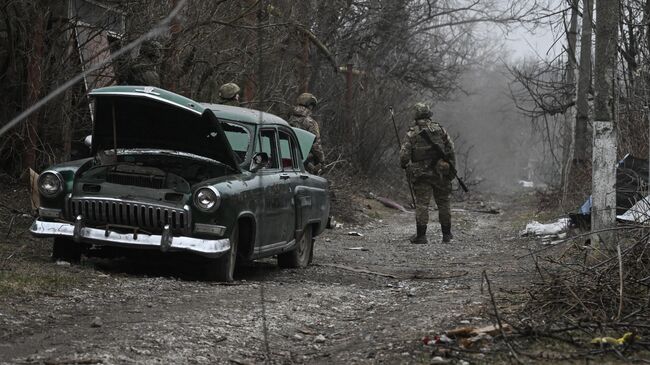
(639, 213)
(355, 233)
(391, 204)
(536, 228)
(436, 340)
(360, 248)
(468, 331)
(526, 184)
(627, 338)
(631, 182)
(549, 240)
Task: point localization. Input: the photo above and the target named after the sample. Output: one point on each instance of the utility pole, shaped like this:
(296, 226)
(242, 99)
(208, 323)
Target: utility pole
(603, 210)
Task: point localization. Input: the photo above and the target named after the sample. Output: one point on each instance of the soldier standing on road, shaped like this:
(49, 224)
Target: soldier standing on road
(428, 172)
(229, 94)
(301, 118)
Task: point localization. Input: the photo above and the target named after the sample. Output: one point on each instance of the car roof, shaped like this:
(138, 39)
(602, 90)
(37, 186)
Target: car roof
(221, 111)
(244, 114)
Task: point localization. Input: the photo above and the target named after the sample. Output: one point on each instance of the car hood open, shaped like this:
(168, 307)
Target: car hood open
(145, 117)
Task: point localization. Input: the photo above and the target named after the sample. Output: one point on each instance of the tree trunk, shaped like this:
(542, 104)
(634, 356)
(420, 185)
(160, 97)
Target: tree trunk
(569, 115)
(34, 85)
(603, 211)
(581, 136)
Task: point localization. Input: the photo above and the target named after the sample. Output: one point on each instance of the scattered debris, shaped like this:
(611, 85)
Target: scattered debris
(355, 233)
(391, 204)
(535, 228)
(360, 270)
(526, 184)
(473, 336)
(62, 263)
(331, 222)
(628, 337)
(357, 248)
(319, 339)
(639, 213)
(548, 240)
(96, 323)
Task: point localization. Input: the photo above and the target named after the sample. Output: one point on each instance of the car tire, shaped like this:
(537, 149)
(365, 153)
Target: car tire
(223, 268)
(65, 249)
(301, 256)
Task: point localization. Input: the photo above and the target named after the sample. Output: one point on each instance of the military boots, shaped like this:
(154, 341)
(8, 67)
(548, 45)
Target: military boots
(421, 236)
(446, 234)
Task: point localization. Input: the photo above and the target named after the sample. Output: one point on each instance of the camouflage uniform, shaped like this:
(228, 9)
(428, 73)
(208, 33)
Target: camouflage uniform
(301, 118)
(229, 94)
(429, 174)
(145, 70)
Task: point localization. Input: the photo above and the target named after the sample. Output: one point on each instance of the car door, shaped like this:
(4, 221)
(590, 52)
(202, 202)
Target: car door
(277, 219)
(291, 170)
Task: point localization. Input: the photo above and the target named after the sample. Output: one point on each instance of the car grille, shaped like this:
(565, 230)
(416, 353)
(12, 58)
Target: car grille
(149, 217)
(145, 181)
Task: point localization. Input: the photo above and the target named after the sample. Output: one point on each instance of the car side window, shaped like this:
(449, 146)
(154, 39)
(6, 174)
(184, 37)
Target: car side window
(268, 144)
(287, 152)
(238, 137)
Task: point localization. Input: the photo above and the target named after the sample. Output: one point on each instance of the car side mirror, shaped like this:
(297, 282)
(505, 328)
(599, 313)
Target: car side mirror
(260, 160)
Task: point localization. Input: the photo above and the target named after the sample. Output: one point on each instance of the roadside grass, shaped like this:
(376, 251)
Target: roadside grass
(32, 279)
(25, 266)
(522, 214)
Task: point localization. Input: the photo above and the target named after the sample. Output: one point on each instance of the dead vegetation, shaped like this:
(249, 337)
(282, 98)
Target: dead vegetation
(583, 305)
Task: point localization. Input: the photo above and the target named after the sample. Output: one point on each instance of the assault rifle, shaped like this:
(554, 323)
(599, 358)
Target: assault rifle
(399, 143)
(443, 157)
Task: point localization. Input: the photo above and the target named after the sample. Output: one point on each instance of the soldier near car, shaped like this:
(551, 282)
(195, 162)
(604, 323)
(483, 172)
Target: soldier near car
(424, 150)
(229, 94)
(145, 70)
(301, 118)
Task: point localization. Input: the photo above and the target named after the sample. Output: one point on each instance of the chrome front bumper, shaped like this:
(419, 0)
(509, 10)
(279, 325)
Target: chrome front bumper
(203, 247)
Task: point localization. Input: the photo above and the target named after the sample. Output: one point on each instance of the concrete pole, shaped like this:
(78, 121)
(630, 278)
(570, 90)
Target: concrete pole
(603, 209)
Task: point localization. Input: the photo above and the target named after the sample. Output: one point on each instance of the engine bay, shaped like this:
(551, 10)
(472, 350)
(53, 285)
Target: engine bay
(152, 169)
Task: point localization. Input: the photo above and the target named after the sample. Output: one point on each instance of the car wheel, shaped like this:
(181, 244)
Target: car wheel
(301, 255)
(65, 249)
(223, 268)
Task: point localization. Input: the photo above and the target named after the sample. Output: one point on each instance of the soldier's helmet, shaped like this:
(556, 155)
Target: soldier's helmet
(151, 49)
(306, 99)
(229, 90)
(421, 111)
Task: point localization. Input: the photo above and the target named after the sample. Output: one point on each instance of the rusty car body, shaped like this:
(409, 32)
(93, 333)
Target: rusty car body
(171, 174)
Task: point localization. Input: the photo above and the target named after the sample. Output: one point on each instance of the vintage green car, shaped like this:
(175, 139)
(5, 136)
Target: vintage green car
(171, 174)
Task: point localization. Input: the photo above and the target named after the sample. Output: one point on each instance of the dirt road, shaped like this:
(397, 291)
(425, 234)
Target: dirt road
(369, 304)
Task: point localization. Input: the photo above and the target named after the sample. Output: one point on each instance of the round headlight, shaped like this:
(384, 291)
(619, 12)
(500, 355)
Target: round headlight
(207, 199)
(50, 183)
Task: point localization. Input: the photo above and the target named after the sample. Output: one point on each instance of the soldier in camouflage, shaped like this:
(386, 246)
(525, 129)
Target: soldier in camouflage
(145, 69)
(301, 118)
(229, 94)
(429, 173)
